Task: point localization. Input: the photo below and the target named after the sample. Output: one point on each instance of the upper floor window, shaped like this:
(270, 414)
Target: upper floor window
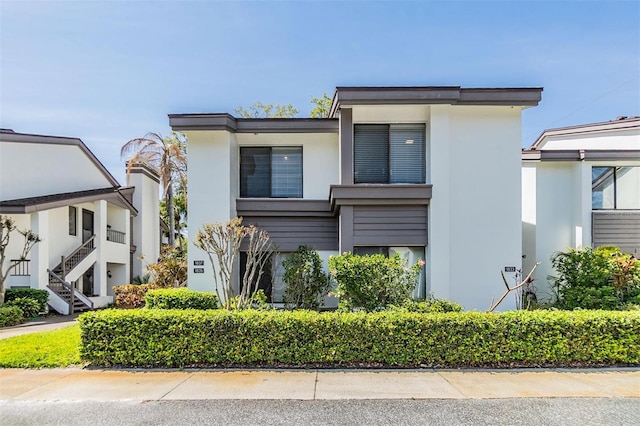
(389, 153)
(73, 217)
(615, 188)
(271, 172)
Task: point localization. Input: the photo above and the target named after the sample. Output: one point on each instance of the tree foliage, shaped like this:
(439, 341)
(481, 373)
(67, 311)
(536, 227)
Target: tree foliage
(168, 155)
(7, 226)
(260, 110)
(322, 106)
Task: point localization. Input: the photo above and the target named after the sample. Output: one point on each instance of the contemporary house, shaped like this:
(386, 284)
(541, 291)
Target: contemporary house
(430, 173)
(581, 187)
(93, 230)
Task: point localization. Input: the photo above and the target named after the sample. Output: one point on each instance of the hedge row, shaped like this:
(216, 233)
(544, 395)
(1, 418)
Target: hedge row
(10, 315)
(172, 338)
(41, 296)
(180, 298)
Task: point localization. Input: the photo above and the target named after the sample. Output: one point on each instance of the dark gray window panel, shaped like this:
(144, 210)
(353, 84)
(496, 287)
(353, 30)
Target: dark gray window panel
(407, 154)
(371, 153)
(271, 172)
(619, 228)
(389, 153)
(288, 233)
(283, 207)
(390, 225)
(255, 172)
(286, 172)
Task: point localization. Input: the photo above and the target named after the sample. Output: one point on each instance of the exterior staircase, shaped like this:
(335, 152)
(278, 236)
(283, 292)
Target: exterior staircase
(76, 301)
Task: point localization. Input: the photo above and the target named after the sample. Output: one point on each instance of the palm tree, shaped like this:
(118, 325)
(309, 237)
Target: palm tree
(168, 155)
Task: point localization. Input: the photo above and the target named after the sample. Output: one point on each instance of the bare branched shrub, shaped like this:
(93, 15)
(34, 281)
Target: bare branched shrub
(222, 243)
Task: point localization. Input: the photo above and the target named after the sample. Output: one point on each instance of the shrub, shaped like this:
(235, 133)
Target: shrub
(10, 315)
(40, 296)
(180, 298)
(131, 296)
(430, 305)
(173, 338)
(171, 269)
(306, 283)
(29, 307)
(373, 282)
(601, 278)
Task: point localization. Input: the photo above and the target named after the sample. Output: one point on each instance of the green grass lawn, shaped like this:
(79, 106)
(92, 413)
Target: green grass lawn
(56, 348)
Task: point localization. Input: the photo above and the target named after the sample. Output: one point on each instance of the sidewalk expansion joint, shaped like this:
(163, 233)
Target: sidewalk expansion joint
(190, 375)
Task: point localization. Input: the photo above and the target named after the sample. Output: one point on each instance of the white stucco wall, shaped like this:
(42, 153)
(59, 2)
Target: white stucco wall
(146, 225)
(475, 219)
(210, 194)
(603, 140)
(557, 216)
(33, 169)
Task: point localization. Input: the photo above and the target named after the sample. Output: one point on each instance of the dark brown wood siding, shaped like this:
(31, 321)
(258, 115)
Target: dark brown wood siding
(320, 233)
(390, 225)
(618, 228)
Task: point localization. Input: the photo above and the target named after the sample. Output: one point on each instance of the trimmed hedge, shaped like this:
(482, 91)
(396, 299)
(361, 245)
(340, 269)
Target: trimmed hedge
(40, 296)
(180, 298)
(172, 338)
(10, 315)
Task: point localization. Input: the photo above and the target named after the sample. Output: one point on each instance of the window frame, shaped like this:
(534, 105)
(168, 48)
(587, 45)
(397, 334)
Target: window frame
(271, 148)
(613, 170)
(389, 171)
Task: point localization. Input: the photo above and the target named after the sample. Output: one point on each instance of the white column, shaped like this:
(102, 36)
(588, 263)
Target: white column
(438, 248)
(100, 230)
(40, 253)
(583, 229)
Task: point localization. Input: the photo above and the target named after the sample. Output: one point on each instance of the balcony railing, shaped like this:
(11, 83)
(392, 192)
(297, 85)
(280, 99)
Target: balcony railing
(20, 267)
(116, 236)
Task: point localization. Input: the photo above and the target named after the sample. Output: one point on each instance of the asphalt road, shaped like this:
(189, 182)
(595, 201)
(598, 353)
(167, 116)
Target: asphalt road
(512, 411)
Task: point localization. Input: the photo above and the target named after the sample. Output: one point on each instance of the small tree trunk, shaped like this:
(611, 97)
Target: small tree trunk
(172, 223)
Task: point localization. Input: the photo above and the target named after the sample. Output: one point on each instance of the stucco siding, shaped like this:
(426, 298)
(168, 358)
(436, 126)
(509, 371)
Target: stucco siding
(34, 169)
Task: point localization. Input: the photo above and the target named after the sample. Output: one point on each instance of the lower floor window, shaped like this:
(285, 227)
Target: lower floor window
(265, 283)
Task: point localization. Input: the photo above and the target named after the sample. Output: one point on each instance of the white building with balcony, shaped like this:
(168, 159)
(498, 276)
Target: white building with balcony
(57, 188)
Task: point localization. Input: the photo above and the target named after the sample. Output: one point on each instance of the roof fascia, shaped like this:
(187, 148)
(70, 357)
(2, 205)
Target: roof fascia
(226, 122)
(607, 126)
(453, 95)
(581, 155)
(115, 197)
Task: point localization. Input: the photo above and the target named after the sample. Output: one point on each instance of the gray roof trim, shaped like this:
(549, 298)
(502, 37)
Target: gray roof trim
(430, 95)
(229, 123)
(205, 121)
(283, 207)
(115, 195)
(379, 195)
(146, 170)
(581, 155)
(606, 126)
(59, 140)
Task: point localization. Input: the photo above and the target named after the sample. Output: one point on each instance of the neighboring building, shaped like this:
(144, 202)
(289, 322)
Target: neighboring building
(56, 187)
(427, 172)
(580, 187)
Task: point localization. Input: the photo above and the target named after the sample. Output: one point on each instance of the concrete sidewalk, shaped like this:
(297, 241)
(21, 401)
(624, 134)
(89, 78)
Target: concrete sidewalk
(48, 323)
(122, 385)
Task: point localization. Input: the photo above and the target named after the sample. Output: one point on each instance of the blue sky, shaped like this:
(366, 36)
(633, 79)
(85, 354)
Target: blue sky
(109, 71)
